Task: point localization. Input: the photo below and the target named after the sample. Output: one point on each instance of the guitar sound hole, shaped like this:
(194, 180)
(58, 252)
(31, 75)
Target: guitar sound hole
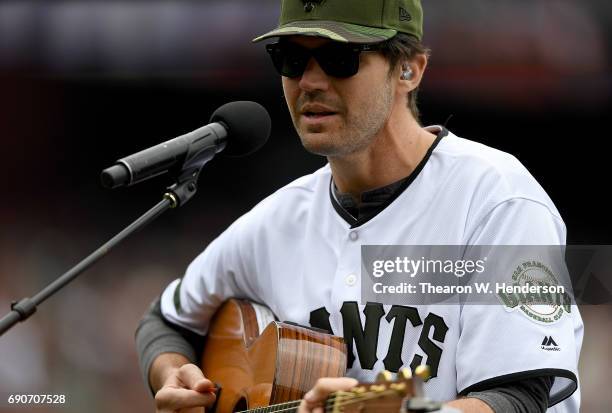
(241, 405)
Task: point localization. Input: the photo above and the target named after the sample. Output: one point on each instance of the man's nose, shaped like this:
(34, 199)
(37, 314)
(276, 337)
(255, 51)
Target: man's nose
(314, 78)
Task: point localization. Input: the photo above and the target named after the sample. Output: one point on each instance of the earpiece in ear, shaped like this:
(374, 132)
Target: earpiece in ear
(406, 73)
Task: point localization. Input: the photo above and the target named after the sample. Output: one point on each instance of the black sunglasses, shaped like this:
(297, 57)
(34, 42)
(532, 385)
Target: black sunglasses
(336, 59)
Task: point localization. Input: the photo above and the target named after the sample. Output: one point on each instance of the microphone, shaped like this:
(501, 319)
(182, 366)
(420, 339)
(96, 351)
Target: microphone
(239, 128)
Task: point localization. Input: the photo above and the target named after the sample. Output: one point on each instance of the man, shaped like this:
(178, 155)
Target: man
(350, 72)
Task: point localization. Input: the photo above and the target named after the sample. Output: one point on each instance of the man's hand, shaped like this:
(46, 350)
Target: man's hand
(182, 388)
(314, 400)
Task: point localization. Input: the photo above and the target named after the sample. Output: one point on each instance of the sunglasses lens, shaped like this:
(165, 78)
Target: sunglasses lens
(290, 60)
(338, 60)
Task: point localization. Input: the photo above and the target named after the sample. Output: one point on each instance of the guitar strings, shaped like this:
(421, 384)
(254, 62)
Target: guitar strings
(330, 402)
(266, 408)
(295, 404)
(359, 398)
(287, 404)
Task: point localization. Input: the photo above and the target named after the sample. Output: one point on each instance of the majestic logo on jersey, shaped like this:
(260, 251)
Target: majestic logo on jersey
(549, 344)
(364, 338)
(545, 308)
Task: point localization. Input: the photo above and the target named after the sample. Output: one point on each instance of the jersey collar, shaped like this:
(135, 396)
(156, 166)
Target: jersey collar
(376, 200)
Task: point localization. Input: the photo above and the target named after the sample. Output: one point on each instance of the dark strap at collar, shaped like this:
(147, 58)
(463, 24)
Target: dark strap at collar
(376, 200)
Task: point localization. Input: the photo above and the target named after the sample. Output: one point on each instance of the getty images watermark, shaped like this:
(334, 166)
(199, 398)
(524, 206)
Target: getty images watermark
(422, 267)
(543, 281)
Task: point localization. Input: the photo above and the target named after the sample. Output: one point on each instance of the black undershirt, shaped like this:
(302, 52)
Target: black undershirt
(373, 201)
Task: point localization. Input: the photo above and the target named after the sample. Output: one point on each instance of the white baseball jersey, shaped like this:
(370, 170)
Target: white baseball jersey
(296, 254)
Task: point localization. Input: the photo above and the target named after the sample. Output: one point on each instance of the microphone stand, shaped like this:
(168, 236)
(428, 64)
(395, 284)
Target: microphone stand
(177, 195)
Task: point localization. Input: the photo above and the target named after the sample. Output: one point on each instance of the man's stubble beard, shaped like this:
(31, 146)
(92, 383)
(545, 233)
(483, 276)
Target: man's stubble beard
(358, 130)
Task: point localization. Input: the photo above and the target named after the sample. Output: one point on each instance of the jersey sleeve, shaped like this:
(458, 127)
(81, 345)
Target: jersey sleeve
(499, 343)
(220, 272)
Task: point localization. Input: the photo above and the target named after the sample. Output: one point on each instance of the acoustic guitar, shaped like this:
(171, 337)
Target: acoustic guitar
(262, 365)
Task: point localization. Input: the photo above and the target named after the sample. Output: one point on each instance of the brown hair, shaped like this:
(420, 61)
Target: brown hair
(403, 47)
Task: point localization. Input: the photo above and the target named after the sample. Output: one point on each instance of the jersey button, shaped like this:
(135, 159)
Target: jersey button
(353, 235)
(351, 279)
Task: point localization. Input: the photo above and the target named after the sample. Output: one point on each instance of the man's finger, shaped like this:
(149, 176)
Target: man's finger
(327, 385)
(185, 410)
(192, 410)
(193, 378)
(318, 395)
(172, 398)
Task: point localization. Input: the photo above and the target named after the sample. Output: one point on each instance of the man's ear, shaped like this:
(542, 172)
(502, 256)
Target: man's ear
(411, 73)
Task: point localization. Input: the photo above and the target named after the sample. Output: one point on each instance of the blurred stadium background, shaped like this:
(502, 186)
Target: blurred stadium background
(83, 83)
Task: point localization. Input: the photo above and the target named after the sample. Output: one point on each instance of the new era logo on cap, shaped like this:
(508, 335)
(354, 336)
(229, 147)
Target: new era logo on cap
(404, 16)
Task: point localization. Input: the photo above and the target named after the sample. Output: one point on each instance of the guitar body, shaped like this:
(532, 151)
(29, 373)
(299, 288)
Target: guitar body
(256, 367)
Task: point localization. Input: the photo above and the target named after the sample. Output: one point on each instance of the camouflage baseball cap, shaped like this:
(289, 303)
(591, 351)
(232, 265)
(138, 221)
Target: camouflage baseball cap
(350, 21)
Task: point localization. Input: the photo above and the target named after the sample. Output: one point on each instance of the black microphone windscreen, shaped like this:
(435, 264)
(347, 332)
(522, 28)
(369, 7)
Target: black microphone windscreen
(248, 126)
